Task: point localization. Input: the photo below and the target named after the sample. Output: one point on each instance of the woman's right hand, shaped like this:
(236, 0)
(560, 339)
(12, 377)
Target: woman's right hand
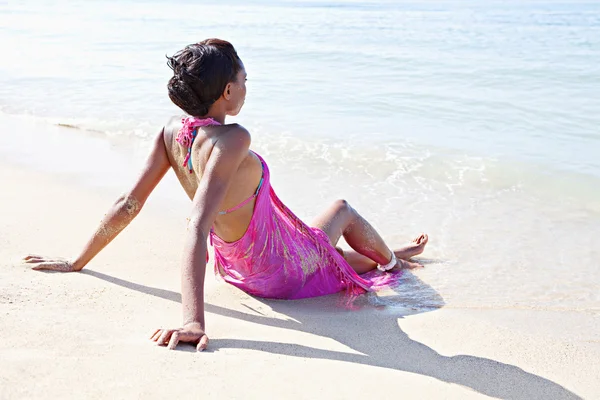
(41, 263)
(191, 333)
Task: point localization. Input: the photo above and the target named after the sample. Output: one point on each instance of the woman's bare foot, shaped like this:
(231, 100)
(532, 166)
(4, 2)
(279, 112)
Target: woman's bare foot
(413, 248)
(403, 264)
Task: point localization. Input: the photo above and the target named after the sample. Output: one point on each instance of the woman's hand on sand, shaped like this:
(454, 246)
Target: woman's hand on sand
(190, 333)
(40, 263)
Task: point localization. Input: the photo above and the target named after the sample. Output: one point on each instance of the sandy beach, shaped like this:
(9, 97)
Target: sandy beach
(475, 122)
(85, 335)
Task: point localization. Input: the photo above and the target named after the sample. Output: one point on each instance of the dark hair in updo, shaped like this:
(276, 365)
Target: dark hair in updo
(201, 73)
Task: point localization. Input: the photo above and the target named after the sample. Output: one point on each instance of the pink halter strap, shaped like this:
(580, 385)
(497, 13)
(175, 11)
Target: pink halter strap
(187, 134)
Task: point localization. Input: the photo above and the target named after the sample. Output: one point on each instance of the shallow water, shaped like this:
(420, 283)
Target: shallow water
(476, 122)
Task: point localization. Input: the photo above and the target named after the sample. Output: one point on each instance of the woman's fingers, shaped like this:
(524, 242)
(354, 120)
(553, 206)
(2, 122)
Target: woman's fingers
(53, 266)
(174, 340)
(164, 337)
(203, 343)
(156, 334)
(44, 265)
(33, 260)
(39, 263)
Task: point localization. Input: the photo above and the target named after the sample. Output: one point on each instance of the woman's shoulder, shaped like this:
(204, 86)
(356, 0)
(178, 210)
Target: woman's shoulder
(171, 127)
(234, 136)
(174, 123)
(236, 130)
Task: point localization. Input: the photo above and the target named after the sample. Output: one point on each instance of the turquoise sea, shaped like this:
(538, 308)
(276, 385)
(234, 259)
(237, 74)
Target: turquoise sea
(477, 122)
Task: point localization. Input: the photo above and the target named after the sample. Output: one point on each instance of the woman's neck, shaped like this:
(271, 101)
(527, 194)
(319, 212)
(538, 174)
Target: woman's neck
(219, 119)
(217, 115)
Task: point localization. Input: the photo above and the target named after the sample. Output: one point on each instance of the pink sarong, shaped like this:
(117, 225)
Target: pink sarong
(280, 257)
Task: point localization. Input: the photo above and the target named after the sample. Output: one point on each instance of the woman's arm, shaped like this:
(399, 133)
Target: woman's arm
(227, 155)
(125, 209)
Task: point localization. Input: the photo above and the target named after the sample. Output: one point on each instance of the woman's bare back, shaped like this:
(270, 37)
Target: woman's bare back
(231, 226)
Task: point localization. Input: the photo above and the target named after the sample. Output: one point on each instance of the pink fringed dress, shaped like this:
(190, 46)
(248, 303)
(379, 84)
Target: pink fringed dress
(280, 257)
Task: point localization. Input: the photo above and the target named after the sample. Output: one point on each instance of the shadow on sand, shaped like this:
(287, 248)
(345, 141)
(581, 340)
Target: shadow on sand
(393, 348)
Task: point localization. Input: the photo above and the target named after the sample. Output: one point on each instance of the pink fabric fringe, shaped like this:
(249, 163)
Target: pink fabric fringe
(187, 134)
(281, 257)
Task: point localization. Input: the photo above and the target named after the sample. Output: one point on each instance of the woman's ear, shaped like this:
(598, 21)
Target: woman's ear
(227, 92)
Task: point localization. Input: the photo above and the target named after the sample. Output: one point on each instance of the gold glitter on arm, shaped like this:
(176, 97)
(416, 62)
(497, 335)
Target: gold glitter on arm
(116, 219)
(132, 205)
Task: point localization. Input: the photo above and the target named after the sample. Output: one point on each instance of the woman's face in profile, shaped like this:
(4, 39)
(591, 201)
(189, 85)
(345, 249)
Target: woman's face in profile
(238, 91)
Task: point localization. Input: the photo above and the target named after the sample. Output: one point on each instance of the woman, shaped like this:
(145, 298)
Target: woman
(260, 245)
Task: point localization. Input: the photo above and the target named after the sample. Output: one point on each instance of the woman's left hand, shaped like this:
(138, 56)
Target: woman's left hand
(40, 263)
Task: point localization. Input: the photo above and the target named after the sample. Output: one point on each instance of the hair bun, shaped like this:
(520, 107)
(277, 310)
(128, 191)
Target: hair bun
(200, 74)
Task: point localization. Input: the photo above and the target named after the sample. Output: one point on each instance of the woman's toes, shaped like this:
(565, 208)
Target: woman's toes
(421, 239)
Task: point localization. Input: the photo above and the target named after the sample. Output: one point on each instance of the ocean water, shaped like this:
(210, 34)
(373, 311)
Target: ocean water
(474, 121)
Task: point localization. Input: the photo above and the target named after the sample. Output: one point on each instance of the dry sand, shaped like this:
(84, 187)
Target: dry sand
(85, 335)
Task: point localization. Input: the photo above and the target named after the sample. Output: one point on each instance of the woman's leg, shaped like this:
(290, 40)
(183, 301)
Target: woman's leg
(341, 219)
(409, 250)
